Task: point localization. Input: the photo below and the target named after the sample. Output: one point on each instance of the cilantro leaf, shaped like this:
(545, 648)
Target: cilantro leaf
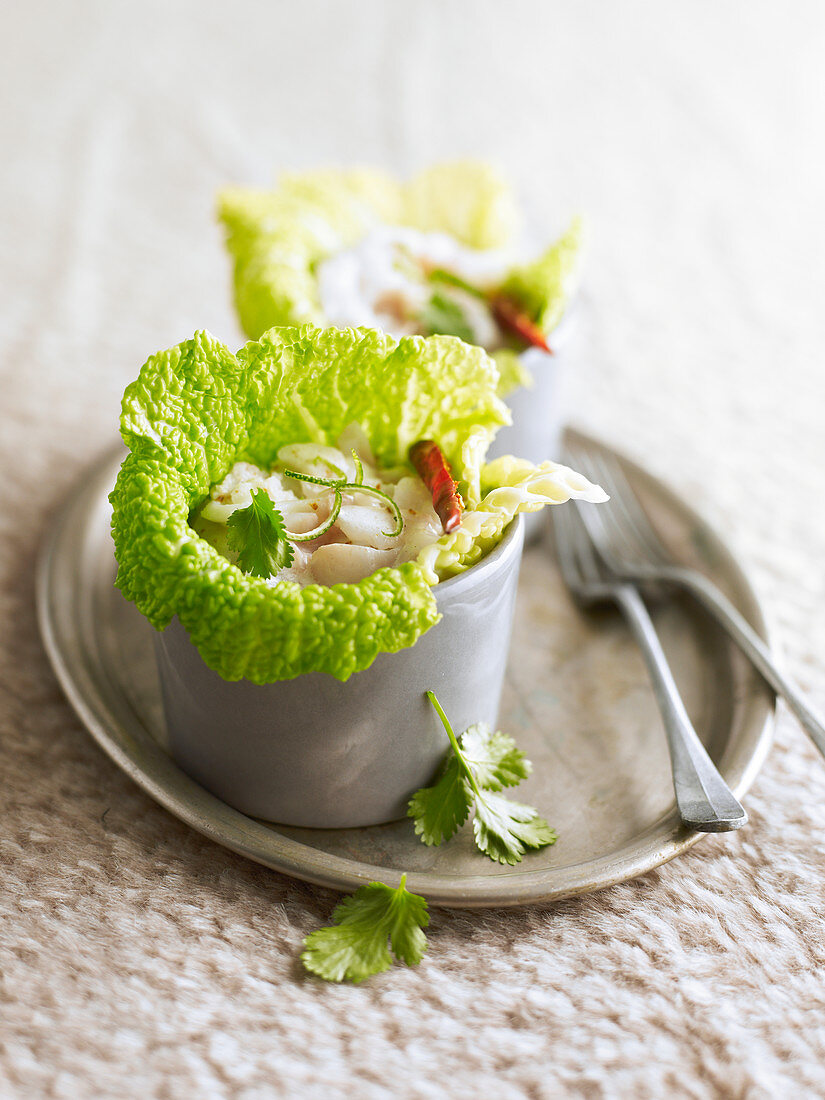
(495, 761)
(504, 830)
(494, 758)
(440, 810)
(444, 317)
(257, 533)
(356, 945)
(482, 762)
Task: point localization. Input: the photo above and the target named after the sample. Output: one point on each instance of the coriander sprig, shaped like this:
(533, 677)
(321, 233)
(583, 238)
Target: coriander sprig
(258, 534)
(481, 764)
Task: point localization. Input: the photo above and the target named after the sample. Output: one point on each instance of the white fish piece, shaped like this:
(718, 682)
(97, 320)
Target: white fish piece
(281, 488)
(298, 572)
(310, 491)
(300, 517)
(412, 494)
(236, 490)
(354, 438)
(238, 498)
(368, 526)
(418, 533)
(242, 474)
(353, 283)
(216, 512)
(343, 563)
(370, 500)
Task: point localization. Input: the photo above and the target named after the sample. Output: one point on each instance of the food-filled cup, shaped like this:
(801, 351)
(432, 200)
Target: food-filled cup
(312, 527)
(314, 751)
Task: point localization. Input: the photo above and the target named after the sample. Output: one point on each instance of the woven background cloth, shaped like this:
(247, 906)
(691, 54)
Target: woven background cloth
(140, 960)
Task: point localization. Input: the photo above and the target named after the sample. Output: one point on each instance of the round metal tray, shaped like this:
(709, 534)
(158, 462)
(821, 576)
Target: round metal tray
(576, 698)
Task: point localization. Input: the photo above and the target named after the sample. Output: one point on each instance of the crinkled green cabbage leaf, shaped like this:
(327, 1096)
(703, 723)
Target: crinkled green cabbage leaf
(196, 409)
(544, 286)
(468, 199)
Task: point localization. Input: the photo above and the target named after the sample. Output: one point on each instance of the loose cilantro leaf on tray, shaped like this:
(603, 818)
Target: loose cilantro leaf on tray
(441, 810)
(495, 759)
(366, 925)
(257, 533)
(481, 763)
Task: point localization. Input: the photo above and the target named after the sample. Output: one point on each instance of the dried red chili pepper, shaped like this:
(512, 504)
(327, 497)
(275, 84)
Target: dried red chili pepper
(511, 318)
(434, 471)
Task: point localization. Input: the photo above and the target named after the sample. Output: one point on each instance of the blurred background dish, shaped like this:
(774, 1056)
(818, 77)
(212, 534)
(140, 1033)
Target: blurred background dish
(438, 253)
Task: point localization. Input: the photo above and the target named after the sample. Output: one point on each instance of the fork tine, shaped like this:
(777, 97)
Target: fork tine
(655, 563)
(605, 529)
(615, 538)
(628, 503)
(583, 547)
(577, 559)
(624, 515)
(588, 560)
(608, 536)
(565, 550)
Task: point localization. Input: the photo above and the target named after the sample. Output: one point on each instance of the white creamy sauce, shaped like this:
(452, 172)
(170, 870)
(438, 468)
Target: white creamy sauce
(362, 538)
(381, 282)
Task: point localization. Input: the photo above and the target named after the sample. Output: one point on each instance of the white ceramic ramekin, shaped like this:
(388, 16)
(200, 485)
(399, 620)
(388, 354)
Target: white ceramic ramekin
(317, 752)
(539, 413)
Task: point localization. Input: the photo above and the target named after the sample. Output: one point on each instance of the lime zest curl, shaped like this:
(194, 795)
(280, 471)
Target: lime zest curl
(340, 486)
(322, 530)
(359, 468)
(396, 511)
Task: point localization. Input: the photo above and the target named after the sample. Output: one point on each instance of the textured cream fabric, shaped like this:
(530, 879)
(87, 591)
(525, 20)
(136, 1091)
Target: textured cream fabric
(138, 959)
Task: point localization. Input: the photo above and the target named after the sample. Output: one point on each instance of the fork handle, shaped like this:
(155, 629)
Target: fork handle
(753, 647)
(704, 799)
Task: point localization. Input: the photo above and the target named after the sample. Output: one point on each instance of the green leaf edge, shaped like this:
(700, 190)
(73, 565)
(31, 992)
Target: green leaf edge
(354, 911)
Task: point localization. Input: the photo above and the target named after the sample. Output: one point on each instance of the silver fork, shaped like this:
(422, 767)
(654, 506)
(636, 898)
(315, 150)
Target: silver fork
(704, 800)
(629, 545)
